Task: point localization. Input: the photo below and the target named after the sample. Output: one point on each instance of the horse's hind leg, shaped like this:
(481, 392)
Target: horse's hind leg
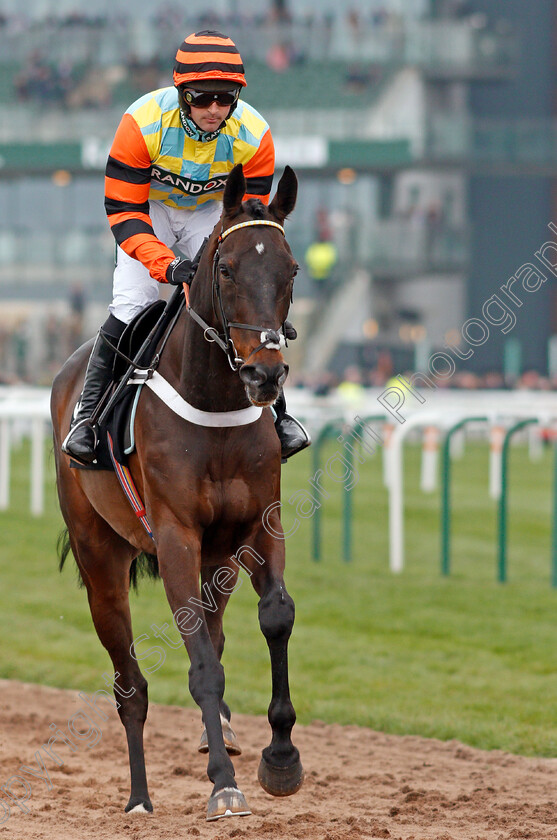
(218, 598)
(104, 560)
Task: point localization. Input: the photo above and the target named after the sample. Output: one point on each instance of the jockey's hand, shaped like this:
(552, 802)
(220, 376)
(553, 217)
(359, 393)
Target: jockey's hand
(180, 271)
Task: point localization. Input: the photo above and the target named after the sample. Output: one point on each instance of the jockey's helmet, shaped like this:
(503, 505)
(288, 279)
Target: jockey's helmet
(208, 62)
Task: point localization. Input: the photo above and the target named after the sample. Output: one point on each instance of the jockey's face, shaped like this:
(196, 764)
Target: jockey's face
(208, 102)
(209, 119)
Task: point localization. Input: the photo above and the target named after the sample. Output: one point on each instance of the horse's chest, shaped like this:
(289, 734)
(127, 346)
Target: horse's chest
(230, 501)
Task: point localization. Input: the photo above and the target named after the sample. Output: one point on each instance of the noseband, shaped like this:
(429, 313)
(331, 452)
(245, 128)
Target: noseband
(270, 339)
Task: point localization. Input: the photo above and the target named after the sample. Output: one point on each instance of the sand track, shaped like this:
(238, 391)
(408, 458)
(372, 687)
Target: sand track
(359, 783)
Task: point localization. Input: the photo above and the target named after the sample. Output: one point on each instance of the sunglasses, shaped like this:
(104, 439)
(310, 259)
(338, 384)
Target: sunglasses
(202, 99)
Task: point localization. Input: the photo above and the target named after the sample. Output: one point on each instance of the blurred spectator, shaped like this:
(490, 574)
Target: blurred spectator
(323, 224)
(492, 380)
(434, 227)
(530, 380)
(384, 366)
(45, 81)
(143, 74)
(279, 12)
(55, 80)
(321, 258)
(52, 332)
(33, 348)
(278, 58)
(20, 345)
(77, 310)
(466, 380)
(323, 383)
(376, 378)
(92, 92)
(351, 390)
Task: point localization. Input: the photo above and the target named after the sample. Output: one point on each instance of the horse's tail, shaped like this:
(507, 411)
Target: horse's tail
(63, 548)
(144, 565)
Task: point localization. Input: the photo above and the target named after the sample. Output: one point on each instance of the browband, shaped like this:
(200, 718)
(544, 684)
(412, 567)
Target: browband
(252, 223)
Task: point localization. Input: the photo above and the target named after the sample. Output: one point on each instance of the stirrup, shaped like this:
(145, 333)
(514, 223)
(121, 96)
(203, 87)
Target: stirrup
(67, 440)
(298, 441)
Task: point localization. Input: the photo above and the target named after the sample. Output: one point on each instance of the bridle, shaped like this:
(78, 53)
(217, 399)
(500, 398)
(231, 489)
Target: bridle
(270, 339)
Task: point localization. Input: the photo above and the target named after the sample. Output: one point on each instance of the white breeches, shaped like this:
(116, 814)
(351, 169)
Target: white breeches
(133, 286)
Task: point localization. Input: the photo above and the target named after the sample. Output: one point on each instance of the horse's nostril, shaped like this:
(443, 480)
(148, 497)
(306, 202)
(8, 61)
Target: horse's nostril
(282, 374)
(254, 375)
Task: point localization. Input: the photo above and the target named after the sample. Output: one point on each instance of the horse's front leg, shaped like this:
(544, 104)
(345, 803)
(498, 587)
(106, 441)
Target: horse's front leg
(179, 563)
(280, 771)
(217, 600)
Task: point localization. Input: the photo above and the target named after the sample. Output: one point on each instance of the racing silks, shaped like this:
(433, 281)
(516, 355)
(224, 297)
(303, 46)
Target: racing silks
(154, 156)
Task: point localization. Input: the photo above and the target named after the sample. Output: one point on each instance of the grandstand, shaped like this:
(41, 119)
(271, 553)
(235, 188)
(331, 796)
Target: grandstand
(382, 109)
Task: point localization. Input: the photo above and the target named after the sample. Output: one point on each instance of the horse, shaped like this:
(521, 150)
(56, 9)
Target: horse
(210, 492)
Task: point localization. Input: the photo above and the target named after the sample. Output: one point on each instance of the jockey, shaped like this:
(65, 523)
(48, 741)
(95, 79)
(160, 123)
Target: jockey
(165, 177)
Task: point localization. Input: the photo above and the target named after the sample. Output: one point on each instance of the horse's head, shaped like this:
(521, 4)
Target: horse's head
(253, 275)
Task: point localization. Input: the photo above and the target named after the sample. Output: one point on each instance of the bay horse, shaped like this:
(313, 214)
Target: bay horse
(210, 492)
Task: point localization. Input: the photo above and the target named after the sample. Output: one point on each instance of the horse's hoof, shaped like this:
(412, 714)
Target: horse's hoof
(139, 806)
(229, 736)
(228, 802)
(280, 781)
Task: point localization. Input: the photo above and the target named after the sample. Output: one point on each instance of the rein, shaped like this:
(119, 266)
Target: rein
(270, 339)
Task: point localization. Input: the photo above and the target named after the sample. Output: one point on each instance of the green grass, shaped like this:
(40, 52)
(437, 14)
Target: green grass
(461, 657)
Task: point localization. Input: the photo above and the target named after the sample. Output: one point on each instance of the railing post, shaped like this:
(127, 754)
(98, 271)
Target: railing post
(388, 432)
(502, 558)
(353, 438)
(446, 493)
(348, 439)
(430, 449)
(316, 519)
(347, 508)
(497, 436)
(37, 466)
(328, 431)
(4, 463)
(554, 526)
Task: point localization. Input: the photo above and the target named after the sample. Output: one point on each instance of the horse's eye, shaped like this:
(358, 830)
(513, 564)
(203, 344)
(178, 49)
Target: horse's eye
(224, 271)
(296, 270)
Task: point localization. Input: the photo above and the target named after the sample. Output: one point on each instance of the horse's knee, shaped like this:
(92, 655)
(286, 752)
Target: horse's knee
(206, 680)
(133, 704)
(276, 614)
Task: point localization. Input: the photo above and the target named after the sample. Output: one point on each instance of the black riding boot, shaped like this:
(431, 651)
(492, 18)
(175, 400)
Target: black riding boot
(81, 441)
(292, 435)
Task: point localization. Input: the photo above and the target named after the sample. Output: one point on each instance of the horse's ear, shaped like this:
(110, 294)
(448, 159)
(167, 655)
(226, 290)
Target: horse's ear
(285, 199)
(234, 191)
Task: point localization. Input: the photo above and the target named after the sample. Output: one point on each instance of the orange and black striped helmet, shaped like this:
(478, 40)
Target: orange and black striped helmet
(208, 55)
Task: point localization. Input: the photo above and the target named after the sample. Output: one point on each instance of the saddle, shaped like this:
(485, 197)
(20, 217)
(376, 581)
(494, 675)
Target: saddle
(133, 351)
